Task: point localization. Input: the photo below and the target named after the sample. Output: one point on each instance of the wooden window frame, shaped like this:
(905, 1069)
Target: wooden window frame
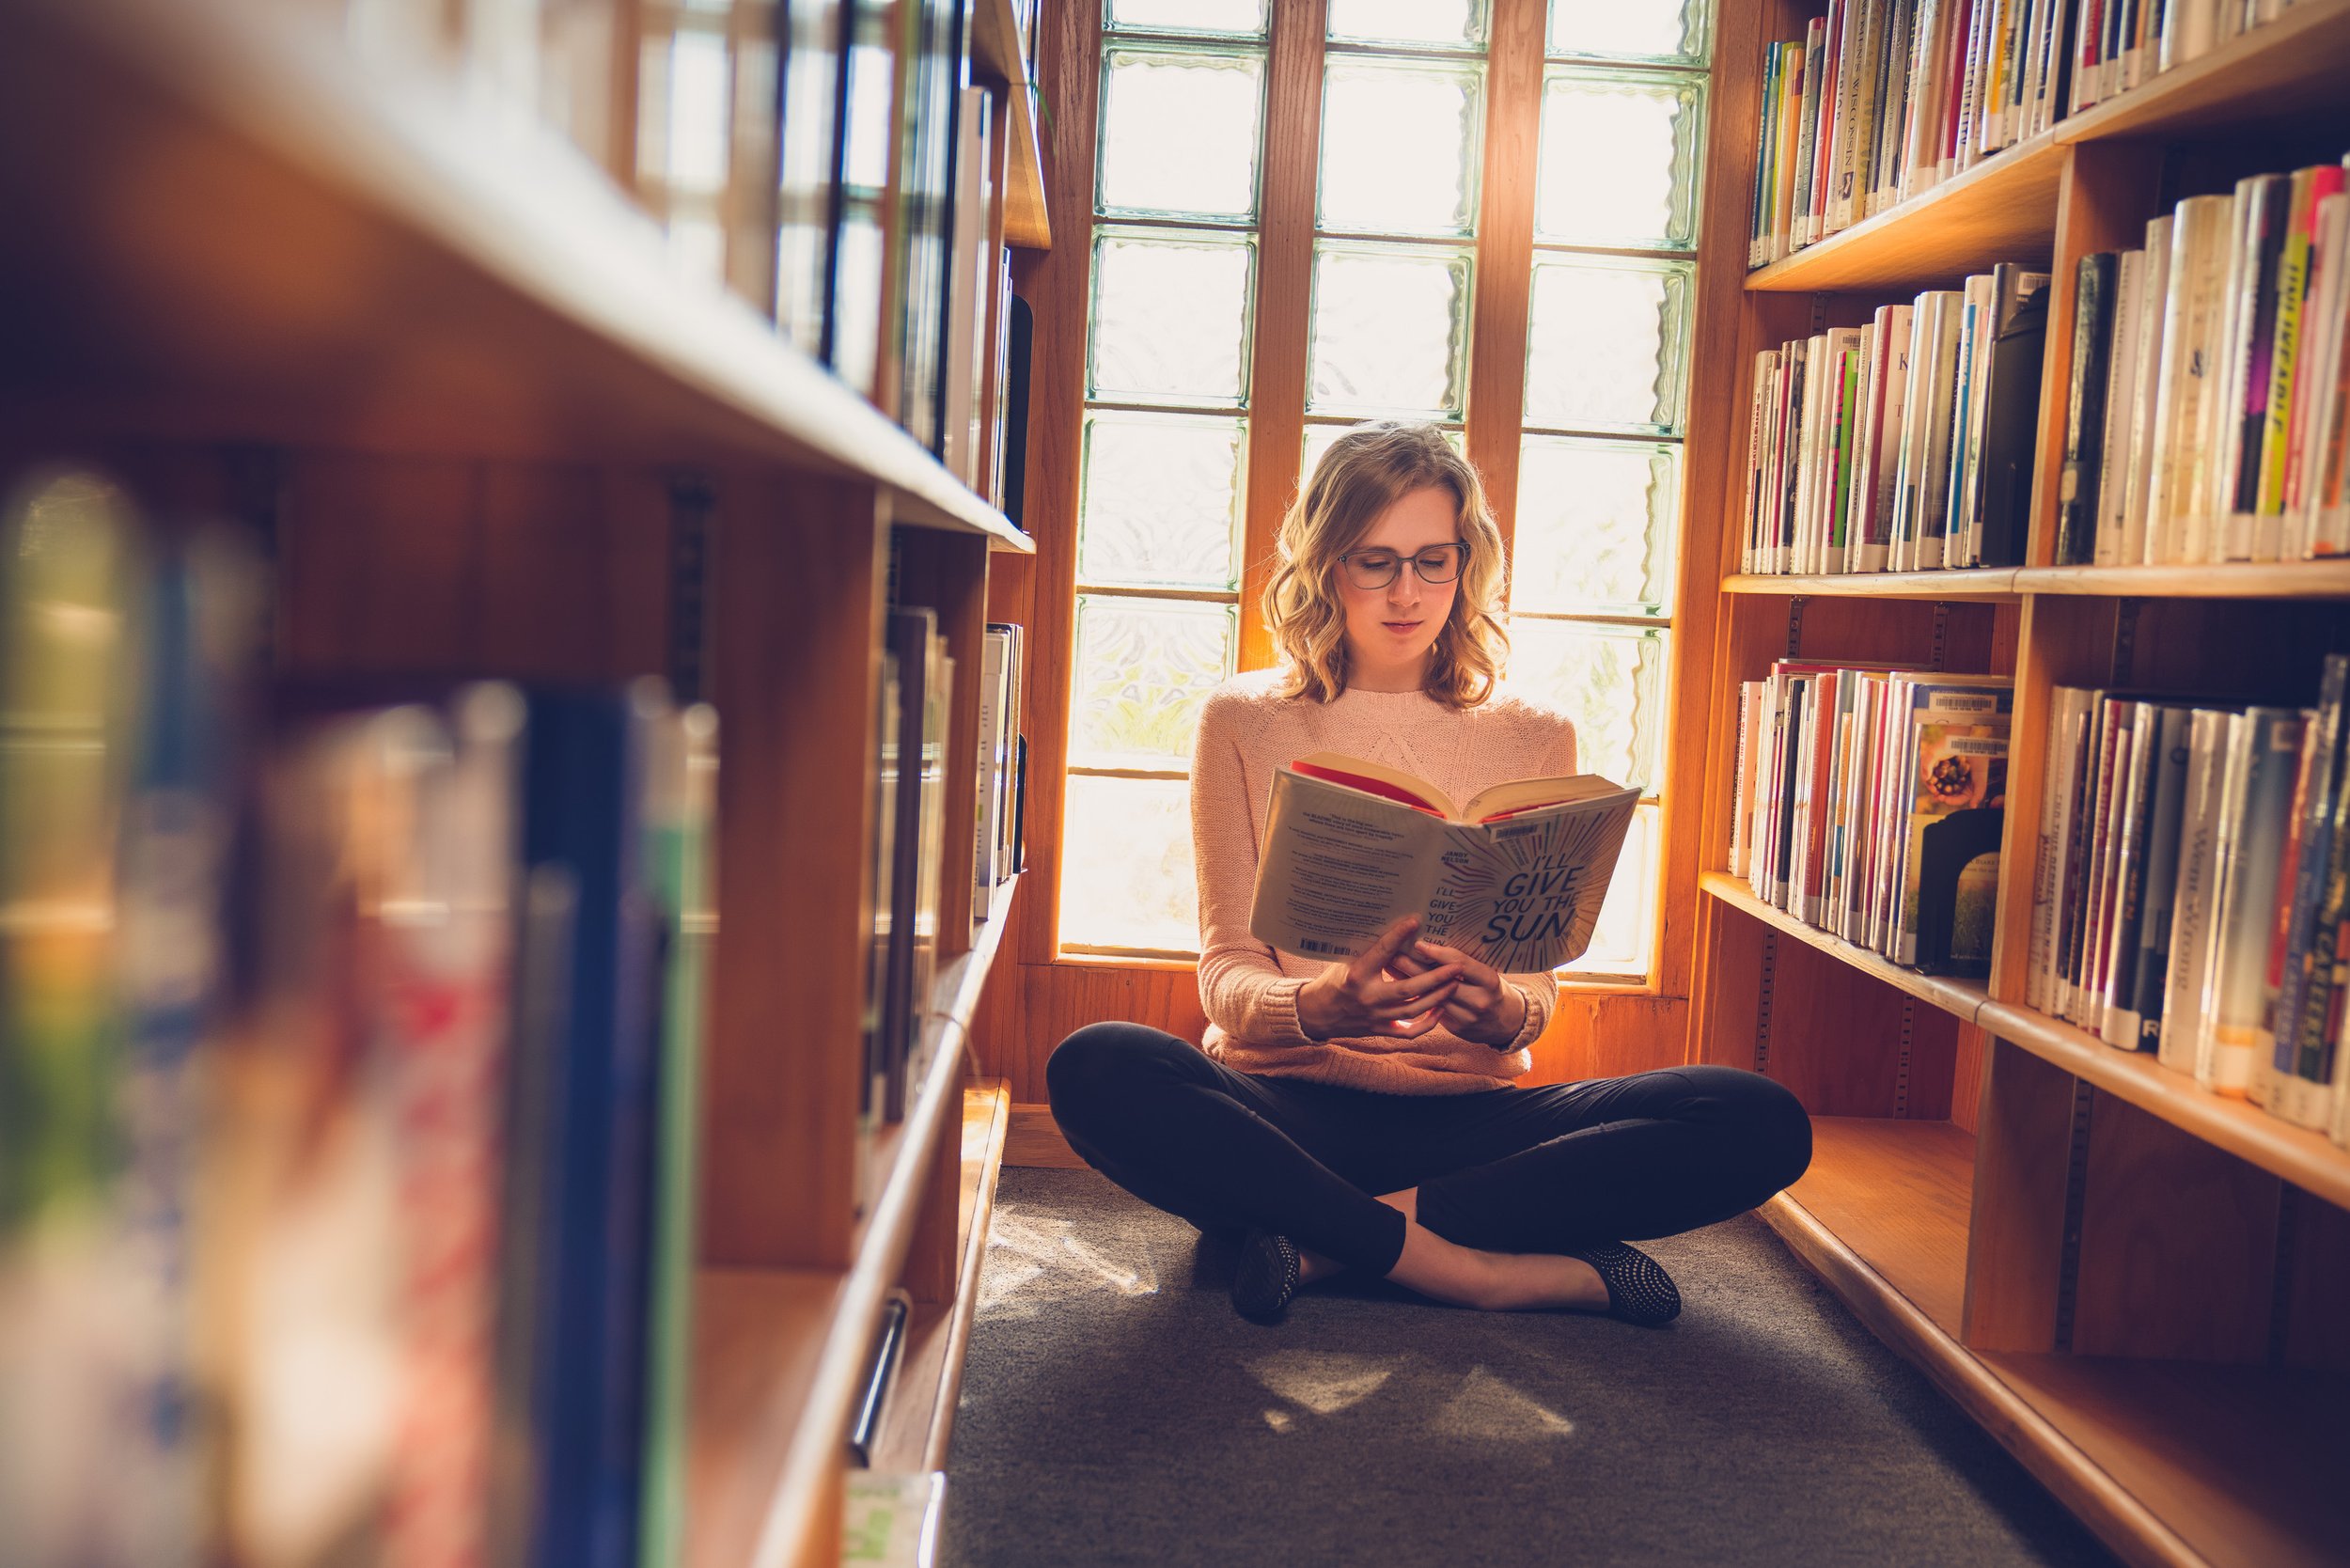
(1058, 284)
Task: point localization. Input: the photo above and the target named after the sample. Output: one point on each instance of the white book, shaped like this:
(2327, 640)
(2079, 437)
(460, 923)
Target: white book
(2154, 291)
(1752, 557)
(2196, 892)
(1970, 92)
(1922, 127)
(2239, 303)
(1893, 334)
(2324, 504)
(2255, 798)
(2049, 867)
(1937, 379)
(1834, 205)
(1817, 373)
(1860, 427)
(2176, 524)
(2189, 28)
(1741, 815)
(2113, 467)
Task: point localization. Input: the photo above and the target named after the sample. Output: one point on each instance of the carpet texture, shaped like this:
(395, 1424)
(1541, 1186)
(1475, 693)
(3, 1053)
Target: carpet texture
(1115, 1410)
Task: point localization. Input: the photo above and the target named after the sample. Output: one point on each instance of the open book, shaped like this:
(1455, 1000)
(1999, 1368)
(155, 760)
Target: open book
(1513, 877)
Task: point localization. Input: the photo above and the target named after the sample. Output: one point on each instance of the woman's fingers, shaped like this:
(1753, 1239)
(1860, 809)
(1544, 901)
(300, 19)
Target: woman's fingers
(1411, 1007)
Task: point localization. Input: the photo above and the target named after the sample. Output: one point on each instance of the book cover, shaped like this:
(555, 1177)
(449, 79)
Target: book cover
(2256, 794)
(1513, 876)
(2113, 447)
(2177, 518)
(2138, 459)
(2084, 410)
(2010, 432)
(2161, 875)
(2196, 889)
(1951, 881)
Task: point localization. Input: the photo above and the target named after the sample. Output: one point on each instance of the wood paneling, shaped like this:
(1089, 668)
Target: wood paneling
(2022, 1157)
(2177, 1245)
(1836, 1044)
(2317, 1285)
(1897, 1193)
(1283, 311)
(1969, 1072)
(779, 1122)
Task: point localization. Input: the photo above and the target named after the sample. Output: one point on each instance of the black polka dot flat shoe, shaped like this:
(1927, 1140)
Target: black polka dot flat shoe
(1266, 1277)
(1638, 1289)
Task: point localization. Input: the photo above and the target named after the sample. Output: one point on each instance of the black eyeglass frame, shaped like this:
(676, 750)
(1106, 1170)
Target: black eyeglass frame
(1461, 564)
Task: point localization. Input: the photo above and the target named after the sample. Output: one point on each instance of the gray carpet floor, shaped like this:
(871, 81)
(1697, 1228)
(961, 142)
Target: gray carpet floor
(1115, 1410)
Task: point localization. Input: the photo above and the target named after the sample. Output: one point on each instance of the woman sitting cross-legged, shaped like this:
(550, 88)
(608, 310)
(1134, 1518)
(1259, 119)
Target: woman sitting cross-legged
(1365, 1114)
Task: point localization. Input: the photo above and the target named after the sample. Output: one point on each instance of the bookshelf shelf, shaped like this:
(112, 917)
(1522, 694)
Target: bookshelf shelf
(2305, 1158)
(2234, 1462)
(1983, 584)
(2002, 209)
(998, 51)
(2005, 208)
(2292, 64)
(1961, 998)
(2309, 579)
(780, 1354)
(1898, 1193)
(467, 284)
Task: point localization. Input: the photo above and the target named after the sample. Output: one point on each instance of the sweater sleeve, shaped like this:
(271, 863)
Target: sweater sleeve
(1241, 988)
(1542, 990)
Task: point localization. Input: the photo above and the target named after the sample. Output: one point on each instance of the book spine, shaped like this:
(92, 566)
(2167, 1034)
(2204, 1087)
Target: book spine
(2114, 443)
(2255, 344)
(2055, 805)
(2320, 321)
(2196, 889)
(2184, 395)
(2252, 833)
(2084, 410)
(2161, 876)
(2326, 519)
(2314, 905)
(1819, 63)
(2122, 1025)
(2138, 453)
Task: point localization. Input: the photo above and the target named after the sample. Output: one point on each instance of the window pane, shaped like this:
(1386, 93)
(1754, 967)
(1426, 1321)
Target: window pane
(1400, 147)
(1180, 132)
(1607, 347)
(1162, 501)
(1677, 32)
(1642, 195)
(1595, 525)
(1390, 331)
(1444, 24)
(1189, 16)
(1143, 669)
(1624, 941)
(1126, 880)
(1170, 319)
(1610, 680)
(1318, 439)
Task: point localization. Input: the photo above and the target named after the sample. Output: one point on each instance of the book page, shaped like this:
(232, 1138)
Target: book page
(1338, 867)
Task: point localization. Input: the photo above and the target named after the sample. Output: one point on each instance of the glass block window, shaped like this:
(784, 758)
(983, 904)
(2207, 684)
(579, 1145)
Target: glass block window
(1388, 197)
(1607, 401)
(1179, 175)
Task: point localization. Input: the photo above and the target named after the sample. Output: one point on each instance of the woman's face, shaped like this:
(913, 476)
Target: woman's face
(1391, 627)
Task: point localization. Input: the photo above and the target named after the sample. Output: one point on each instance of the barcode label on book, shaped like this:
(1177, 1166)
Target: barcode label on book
(1335, 948)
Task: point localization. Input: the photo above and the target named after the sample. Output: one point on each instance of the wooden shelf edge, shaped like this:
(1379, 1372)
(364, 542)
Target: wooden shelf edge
(1962, 999)
(2310, 579)
(2309, 1160)
(998, 51)
(2308, 44)
(2119, 1518)
(1843, 260)
(967, 1305)
(1997, 582)
(511, 204)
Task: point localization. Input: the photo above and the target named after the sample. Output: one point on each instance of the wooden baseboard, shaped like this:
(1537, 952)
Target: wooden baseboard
(1034, 1140)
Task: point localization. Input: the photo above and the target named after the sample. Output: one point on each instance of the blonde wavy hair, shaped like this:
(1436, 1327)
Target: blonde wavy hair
(1365, 471)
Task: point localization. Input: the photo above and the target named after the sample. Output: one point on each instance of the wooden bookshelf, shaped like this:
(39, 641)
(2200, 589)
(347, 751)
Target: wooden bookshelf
(2004, 208)
(1982, 583)
(497, 432)
(468, 284)
(767, 1463)
(1898, 1194)
(2309, 1160)
(1961, 998)
(2130, 1282)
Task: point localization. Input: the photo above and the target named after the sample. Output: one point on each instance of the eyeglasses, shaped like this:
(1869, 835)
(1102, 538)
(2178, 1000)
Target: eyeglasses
(1376, 569)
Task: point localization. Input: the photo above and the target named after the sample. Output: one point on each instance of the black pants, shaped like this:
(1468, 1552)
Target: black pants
(1547, 1169)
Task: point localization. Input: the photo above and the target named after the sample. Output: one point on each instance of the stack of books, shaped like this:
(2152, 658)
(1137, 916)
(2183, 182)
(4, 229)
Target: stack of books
(1904, 444)
(1883, 100)
(1870, 801)
(351, 1042)
(2192, 890)
(2208, 414)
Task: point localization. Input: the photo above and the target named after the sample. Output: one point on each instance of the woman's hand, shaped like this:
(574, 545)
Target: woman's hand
(1371, 996)
(1484, 1006)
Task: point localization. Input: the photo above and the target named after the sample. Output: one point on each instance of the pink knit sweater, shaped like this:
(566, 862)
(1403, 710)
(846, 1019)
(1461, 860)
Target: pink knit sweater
(1250, 991)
